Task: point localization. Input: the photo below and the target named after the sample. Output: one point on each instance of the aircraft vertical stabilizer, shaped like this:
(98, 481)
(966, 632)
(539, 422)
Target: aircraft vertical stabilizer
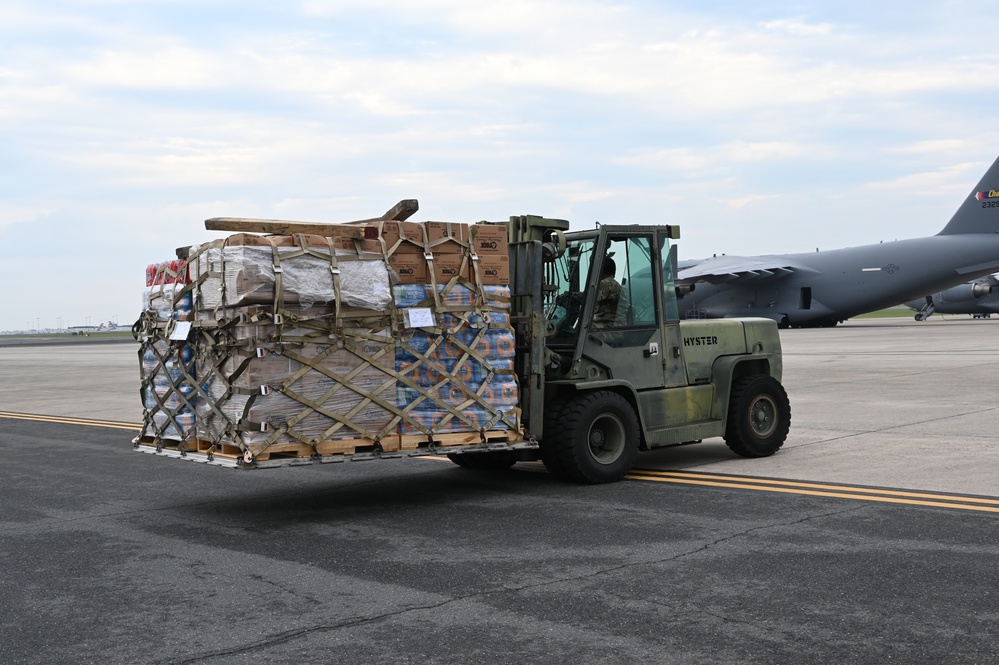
(980, 211)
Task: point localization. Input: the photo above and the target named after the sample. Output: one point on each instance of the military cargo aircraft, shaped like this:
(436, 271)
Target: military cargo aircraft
(819, 289)
(979, 298)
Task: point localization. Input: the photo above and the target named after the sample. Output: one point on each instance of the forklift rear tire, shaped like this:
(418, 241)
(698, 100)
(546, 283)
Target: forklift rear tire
(759, 416)
(491, 461)
(597, 438)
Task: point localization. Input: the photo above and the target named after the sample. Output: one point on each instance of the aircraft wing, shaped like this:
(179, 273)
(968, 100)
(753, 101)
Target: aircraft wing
(725, 269)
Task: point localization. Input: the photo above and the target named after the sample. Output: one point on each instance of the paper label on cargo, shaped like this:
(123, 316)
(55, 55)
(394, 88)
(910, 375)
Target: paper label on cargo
(181, 331)
(421, 317)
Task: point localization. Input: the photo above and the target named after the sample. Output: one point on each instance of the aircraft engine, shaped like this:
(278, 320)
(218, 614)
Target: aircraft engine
(966, 292)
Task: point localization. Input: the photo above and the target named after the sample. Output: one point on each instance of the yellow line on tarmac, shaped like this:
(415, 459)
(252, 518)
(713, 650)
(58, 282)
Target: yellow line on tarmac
(70, 421)
(821, 486)
(911, 498)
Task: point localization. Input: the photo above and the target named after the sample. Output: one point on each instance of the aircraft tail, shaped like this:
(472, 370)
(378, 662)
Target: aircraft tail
(980, 211)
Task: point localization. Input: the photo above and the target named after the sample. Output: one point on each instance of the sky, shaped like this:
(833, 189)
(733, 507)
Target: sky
(771, 128)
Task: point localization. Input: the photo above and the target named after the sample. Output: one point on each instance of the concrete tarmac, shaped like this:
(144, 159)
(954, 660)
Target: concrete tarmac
(883, 402)
(111, 556)
(98, 381)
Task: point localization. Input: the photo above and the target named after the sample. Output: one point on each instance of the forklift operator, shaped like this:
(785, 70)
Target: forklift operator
(612, 303)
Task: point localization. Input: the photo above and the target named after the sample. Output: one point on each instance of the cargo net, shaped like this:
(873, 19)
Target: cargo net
(167, 368)
(458, 377)
(300, 346)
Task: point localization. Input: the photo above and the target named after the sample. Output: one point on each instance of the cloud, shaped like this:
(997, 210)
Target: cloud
(21, 214)
(946, 180)
(133, 121)
(937, 147)
(740, 203)
(798, 27)
(688, 160)
(714, 159)
(152, 66)
(175, 162)
(600, 51)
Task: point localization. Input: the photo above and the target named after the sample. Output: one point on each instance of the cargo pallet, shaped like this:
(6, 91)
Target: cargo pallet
(337, 450)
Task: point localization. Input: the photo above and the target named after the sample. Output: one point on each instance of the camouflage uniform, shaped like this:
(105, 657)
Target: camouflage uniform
(612, 305)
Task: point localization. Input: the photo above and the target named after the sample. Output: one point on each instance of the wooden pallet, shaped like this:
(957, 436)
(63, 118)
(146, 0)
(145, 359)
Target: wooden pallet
(295, 450)
(192, 445)
(346, 446)
(389, 444)
(224, 450)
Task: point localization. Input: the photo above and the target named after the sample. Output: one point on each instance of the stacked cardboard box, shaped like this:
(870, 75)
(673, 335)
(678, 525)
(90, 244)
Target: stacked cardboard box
(309, 345)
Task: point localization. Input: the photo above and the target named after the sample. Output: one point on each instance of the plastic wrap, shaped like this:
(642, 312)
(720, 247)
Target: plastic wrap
(168, 301)
(323, 392)
(467, 381)
(167, 373)
(248, 276)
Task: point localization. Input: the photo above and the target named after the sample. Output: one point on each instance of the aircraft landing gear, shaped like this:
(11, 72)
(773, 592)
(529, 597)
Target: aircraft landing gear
(927, 310)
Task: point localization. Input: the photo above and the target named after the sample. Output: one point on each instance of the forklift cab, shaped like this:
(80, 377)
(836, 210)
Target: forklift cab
(613, 308)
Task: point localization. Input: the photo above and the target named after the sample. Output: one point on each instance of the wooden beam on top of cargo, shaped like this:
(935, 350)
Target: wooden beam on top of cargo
(281, 227)
(402, 210)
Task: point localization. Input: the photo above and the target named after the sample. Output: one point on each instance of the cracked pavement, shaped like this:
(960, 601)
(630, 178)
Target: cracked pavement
(114, 557)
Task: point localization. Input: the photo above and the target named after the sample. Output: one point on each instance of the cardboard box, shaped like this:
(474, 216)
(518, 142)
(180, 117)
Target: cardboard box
(412, 267)
(366, 247)
(489, 239)
(410, 264)
(446, 230)
(448, 266)
(411, 235)
(494, 269)
(447, 237)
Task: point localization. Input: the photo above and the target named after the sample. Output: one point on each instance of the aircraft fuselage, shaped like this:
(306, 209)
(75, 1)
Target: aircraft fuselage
(830, 286)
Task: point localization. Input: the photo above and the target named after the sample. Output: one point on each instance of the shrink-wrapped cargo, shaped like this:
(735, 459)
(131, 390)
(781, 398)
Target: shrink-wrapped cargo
(305, 349)
(169, 301)
(298, 271)
(302, 393)
(169, 389)
(462, 378)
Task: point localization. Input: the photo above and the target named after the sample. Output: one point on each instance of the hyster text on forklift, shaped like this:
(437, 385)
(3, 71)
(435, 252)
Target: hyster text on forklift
(597, 366)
